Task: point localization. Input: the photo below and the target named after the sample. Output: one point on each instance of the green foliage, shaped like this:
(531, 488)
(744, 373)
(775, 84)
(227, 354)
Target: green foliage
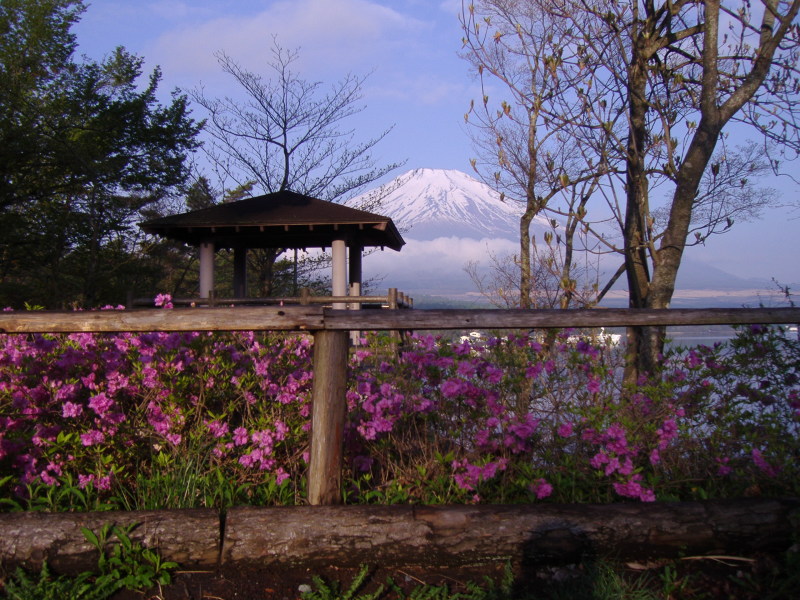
(126, 562)
(84, 148)
(45, 586)
(122, 564)
(324, 590)
(331, 591)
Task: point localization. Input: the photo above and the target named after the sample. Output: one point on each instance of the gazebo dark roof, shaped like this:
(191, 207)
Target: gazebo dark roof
(279, 220)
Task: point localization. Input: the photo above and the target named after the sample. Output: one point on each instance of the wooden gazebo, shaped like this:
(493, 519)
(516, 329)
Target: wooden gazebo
(280, 220)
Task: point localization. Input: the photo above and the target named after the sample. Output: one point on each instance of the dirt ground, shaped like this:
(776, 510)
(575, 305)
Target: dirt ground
(761, 577)
(290, 583)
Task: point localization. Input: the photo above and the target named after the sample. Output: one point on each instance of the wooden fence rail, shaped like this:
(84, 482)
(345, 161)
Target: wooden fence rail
(330, 328)
(392, 300)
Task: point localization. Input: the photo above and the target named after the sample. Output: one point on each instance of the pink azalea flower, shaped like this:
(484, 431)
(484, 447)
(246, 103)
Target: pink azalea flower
(541, 488)
(240, 436)
(281, 476)
(762, 464)
(70, 410)
(92, 437)
(217, 428)
(163, 300)
(84, 480)
(100, 403)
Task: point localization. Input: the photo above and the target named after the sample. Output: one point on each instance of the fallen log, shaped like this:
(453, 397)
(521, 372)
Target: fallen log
(523, 534)
(396, 536)
(189, 537)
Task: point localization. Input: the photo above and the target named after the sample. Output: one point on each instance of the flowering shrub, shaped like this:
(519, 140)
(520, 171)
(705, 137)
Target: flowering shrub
(199, 419)
(103, 412)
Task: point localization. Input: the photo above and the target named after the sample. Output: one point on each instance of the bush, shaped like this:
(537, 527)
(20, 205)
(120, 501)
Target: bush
(158, 420)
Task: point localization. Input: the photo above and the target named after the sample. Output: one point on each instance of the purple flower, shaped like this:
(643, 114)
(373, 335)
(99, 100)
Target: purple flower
(70, 410)
(723, 468)
(452, 388)
(362, 464)
(217, 428)
(493, 374)
(565, 429)
(762, 464)
(462, 349)
(100, 403)
(541, 488)
(534, 371)
(466, 369)
(593, 385)
(240, 436)
(92, 437)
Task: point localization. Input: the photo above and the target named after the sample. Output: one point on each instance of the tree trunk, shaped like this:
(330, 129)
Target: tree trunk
(532, 207)
(262, 262)
(525, 258)
(642, 346)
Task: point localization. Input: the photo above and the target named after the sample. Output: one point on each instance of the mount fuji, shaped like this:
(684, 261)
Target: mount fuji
(448, 220)
(427, 204)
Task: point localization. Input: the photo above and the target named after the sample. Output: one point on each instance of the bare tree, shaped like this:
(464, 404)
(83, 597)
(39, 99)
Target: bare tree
(288, 134)
(685, 81)
(527, 145)
(664, 80)
(552, 284)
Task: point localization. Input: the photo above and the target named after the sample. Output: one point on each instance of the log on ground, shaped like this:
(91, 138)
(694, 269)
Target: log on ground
(188, 537)
(396, 536)
(523, 534)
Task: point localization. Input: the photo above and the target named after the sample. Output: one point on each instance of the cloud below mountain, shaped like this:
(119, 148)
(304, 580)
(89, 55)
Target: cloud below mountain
(435, 266)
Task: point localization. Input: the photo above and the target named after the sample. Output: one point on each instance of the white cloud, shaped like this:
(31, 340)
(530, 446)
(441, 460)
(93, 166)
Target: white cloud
(423, 266)
(338, 35)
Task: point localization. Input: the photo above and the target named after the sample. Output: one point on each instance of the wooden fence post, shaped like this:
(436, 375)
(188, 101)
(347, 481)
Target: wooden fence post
(328, 410)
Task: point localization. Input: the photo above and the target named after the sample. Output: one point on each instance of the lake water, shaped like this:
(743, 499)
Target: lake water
(698, 336)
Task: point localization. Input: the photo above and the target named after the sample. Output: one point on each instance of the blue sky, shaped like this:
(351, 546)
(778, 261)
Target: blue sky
(409, 48)
(417, 83)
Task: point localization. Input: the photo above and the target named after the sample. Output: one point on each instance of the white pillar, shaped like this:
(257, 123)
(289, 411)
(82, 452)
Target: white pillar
(339, 274)
(206, 269)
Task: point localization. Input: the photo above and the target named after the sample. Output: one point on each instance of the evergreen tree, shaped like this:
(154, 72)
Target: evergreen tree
(89, 150)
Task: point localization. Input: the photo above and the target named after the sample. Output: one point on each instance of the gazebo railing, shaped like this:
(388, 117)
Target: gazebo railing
(394, 299)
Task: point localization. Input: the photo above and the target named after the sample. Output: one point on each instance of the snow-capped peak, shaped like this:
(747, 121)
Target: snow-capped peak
(432, 203)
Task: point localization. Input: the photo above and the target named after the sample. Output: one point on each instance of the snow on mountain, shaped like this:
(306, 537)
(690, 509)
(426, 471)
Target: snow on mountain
(448, 220)
(427, 204)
